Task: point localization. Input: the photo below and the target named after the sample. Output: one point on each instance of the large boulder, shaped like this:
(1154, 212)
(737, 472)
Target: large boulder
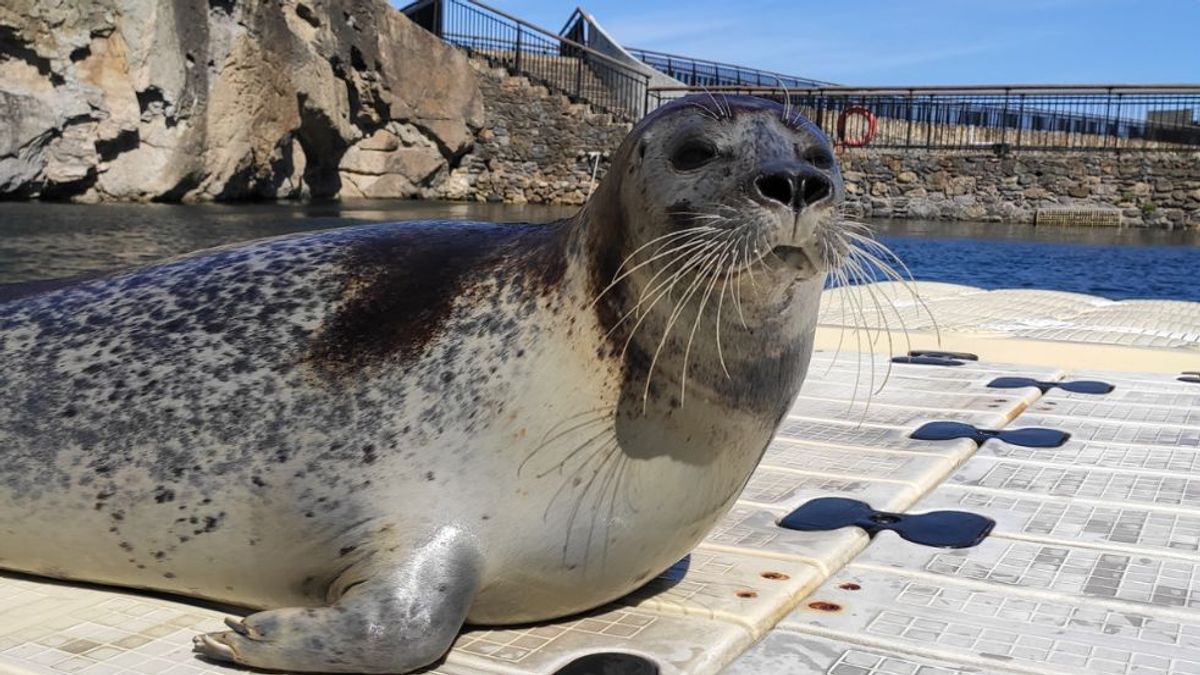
(227, 99)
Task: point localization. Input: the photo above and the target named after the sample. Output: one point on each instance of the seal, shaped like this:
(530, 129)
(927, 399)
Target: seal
(378, 433)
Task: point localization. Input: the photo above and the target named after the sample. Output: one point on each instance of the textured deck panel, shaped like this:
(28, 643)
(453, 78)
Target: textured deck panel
(998, 627)
(1094, 566)
(1052, 316)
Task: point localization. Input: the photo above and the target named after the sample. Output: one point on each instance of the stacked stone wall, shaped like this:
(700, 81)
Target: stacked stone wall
(535, 146)
(1150, 189)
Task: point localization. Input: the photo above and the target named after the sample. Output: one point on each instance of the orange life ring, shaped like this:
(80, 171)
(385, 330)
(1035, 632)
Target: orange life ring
(861, 140)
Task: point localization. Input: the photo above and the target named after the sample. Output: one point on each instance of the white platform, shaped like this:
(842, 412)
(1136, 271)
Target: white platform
(1094, 566)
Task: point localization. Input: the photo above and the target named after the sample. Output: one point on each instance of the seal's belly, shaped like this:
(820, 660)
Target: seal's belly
(580, 546)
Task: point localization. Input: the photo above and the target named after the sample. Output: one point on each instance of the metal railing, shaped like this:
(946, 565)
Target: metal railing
(996, 119)
(703, 73)
(524, 49)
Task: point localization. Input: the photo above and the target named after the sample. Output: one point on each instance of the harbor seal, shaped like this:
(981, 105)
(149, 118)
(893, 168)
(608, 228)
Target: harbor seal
(378, 433)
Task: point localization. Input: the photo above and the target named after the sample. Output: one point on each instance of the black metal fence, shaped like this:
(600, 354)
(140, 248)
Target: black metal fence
(704, 73)
(1000, 120)
(525, 49)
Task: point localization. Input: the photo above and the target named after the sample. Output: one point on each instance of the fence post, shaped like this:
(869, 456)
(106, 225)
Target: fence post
(1117, 124)
(1108, 100)
(517, 56)
(579, 75)
(909, 117)
(929, 123)
(1020, 122)
(1004, 117)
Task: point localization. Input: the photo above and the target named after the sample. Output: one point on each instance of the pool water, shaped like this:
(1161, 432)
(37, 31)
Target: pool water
(42, 241)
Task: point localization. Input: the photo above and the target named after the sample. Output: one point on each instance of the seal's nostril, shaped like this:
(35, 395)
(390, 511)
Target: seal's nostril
(776, 186)
(813, 189)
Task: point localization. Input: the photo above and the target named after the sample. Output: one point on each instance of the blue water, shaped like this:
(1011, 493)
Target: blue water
(1114, 264)
(40, 241)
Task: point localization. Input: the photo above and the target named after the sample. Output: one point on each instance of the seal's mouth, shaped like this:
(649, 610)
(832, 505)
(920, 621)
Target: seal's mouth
(796, 258)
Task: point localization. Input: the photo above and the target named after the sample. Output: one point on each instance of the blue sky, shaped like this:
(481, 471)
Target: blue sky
(918, 42)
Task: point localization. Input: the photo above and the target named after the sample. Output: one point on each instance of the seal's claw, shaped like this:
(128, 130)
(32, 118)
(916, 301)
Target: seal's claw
(212, 646)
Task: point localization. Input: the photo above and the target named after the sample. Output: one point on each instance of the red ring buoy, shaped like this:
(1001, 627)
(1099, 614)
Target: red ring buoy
(841, 126)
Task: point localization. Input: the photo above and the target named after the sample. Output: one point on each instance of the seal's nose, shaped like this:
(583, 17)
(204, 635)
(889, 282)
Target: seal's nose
(794, 185)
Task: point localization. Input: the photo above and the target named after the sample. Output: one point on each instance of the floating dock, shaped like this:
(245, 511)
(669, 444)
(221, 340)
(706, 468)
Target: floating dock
(1093, 565)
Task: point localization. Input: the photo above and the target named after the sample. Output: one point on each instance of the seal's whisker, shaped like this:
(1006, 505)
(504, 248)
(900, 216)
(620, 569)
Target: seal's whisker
(724, 253)
(592, 417)
(720, 110)
(691, 242)
(895, 310)
(839, 275)
(650, 289)
(883, 330)
(697, 279)
(705, 111)
(865, 259)
(656, 292)
(608, 452)
(749, 262)
(573, 479)
(561, 466)
(854, 293)
(737, 295)
(721, 303)
(616, 473)
(903, 277)
(666, 240)
(787, 102)
(612, 502)
(688, 258)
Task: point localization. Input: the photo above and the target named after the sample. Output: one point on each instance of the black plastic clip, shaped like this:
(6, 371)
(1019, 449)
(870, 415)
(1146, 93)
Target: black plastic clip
(943, 529)
(958, 356)
(1077, 386)
(1190, 376)
(1030, 437)
(609, 663)
(926, 360)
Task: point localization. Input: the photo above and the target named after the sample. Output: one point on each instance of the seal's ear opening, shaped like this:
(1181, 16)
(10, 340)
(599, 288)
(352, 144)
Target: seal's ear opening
(642, 149)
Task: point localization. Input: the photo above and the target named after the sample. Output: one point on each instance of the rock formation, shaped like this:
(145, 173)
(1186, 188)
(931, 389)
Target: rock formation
(227, 99)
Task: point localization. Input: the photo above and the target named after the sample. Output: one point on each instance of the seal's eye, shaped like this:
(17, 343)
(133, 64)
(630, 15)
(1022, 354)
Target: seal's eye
(693, 154)
(818, 157)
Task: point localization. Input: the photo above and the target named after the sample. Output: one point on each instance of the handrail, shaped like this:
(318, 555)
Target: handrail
(523, 48)
(538, 29)
(640, 53)
(998, 118)
(976, 89)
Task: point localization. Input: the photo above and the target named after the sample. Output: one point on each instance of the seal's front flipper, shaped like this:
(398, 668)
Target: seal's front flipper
(401, 619)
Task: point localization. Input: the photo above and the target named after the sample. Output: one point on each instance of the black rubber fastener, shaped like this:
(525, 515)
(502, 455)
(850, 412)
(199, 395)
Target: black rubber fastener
(1029, 437)
(1076, 386)
(942, 529)
(927, 360)
(609, 663)
(960, 356)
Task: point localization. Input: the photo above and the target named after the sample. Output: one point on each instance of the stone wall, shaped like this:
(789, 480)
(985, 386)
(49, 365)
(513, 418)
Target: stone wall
(535, 146)
(1150, 190)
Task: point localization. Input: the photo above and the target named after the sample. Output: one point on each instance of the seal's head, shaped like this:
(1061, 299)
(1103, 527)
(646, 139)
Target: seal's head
(710, 241)
(744, 184)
